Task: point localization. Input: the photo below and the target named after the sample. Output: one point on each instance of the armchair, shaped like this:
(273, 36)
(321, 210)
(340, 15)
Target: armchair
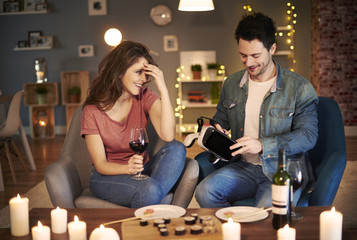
(328, 158)
(67, 179)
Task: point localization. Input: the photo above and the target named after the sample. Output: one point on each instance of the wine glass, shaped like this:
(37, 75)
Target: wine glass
(138, 142)
(294, 168)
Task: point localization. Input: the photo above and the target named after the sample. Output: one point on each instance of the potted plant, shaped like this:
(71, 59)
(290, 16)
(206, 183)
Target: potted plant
(196, 71)
(212, 70)
(74, 94)
(41, 92)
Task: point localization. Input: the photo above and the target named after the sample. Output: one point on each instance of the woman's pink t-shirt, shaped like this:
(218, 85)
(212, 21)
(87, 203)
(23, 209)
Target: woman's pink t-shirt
(115, 135)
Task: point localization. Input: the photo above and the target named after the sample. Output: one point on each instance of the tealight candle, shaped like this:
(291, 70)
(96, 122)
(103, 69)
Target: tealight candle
(19, 216)
(286, 233)
(331, 225)
(59, 220)
(77, 230)
(41, 232)
(231, 230)
(104, 233)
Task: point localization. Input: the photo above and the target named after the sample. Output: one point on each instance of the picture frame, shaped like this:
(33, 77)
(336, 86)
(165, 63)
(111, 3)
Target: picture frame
(45, 41)
(22, 44)
(86, 51)
(31, 4)
(41, 7)
(97, 7)
(11, 6)
(32, 38)
(170, 43)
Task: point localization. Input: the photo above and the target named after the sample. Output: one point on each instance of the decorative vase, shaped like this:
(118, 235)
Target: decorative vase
(215, 92)
(41, 98)
(196, 75)
(74, 98)
(212, 74)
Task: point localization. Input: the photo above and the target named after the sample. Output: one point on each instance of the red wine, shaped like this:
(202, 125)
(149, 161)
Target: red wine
(281, 194)
(138, 147)
(296, 183)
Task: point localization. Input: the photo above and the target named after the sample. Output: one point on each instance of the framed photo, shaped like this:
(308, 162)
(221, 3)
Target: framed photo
(45, 41)
(97, 7)
(22, 44)
(41, 7)
(31, 4)
(170, 43)
(32, 40)
(11, 6)
(86, 50)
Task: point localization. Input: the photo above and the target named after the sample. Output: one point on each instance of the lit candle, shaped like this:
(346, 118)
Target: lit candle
(40, 75)
(59, 220)
(77, 230)
(331, 225)
(104, 233)
(19, 216)
(41, 232)
(231, 230)
(286, 233)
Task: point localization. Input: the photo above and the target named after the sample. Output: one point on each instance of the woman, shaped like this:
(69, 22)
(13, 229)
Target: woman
(118, 101)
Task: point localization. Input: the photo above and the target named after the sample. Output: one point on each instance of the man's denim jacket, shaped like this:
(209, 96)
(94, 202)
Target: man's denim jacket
(288, 115)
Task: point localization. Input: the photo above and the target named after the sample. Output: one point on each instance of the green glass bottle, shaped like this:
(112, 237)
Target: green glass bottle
(281, 194)
(215, 91)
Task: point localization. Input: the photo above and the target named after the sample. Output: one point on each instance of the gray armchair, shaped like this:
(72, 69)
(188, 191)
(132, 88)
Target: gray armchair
(67, 179)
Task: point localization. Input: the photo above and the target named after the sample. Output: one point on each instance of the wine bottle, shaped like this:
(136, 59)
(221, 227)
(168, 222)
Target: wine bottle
(281, 194)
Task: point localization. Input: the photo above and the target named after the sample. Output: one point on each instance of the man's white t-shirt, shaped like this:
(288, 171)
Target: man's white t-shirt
(256, 93)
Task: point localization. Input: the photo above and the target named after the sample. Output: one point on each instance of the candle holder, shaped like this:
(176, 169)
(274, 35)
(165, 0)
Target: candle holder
(40, 70)
(42, 123)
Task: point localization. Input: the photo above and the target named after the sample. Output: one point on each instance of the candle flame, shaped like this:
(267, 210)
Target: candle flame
(42, 123)
(18, 197)
(101, 227)
(57, 208)
(333, 210)
(76, 218)
(286, 227)
(230, 220)
(39, 224)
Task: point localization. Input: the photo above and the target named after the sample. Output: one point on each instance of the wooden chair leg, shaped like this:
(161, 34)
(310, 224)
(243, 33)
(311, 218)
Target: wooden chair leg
(8, 154)
(16, 150)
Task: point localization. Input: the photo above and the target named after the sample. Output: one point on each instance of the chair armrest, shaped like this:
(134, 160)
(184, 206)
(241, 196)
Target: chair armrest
(63, 182)
(329, 180)
(186, 184)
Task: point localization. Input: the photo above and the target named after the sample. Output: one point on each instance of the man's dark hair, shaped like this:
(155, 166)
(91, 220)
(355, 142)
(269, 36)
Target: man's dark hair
(256, 26)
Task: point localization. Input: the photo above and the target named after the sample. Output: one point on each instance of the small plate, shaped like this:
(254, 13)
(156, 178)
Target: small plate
(236, 212)
(161, 211)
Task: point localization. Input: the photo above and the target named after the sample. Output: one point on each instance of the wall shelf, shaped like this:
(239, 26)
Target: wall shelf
(31, 48)
(24, 12)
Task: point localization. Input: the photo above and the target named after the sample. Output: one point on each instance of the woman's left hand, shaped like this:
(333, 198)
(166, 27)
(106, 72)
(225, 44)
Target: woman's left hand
(157, 74)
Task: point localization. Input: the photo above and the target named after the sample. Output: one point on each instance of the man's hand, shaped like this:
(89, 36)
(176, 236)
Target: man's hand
(248, 144)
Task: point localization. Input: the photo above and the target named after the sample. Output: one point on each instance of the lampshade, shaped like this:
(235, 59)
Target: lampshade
(196, 5)
(112, 37)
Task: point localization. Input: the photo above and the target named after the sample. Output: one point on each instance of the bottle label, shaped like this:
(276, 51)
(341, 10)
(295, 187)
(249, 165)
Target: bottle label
(280, 199)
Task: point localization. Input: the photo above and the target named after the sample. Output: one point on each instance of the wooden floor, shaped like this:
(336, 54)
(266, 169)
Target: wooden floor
(47, 151)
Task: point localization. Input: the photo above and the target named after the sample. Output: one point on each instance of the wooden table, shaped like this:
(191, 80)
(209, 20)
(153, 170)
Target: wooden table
(306, 228)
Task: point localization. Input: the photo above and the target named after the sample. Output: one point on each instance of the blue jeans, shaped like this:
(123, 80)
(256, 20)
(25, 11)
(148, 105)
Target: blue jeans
(164, 170)
(234, 182)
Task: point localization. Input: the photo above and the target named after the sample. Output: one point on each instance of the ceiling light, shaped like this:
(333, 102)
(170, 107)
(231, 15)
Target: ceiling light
(113, 37)
(196, 5)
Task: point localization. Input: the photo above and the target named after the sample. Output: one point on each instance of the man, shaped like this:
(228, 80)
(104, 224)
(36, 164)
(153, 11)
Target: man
(266, 107)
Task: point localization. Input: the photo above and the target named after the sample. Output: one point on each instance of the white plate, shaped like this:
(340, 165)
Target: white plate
(161, 211)
(236, 212)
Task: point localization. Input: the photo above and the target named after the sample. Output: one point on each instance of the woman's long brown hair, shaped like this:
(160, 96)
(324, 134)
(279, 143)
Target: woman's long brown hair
(107, 87)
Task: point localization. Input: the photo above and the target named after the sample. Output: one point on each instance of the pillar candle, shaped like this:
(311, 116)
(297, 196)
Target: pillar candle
(59, 220)
(102, 233)
(231, 230)
(77, 230)
(41, 232)
(331, 225)
(286, 233)
(19, 216)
